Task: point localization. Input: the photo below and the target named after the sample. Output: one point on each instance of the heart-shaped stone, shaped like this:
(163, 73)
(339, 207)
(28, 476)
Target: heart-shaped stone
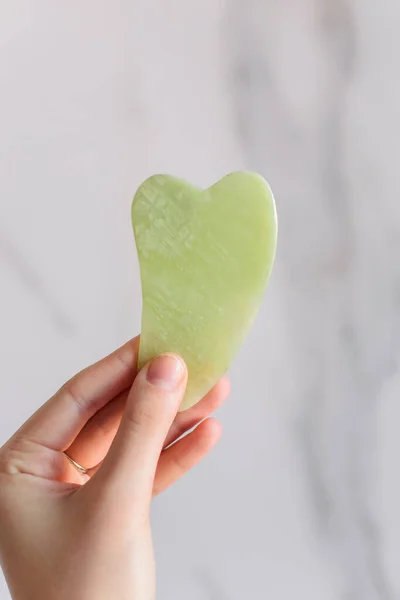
(205, 259)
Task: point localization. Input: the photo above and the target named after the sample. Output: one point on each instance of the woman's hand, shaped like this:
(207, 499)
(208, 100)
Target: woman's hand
(67, 534)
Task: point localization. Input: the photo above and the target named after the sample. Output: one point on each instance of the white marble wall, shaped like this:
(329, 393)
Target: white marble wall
(300, 499)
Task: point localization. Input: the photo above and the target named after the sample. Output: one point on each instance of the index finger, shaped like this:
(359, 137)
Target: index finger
(57, 423)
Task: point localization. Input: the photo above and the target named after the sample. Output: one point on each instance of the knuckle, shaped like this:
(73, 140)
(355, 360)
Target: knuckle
(124, 359)
(11, 456)
(142, 415)
(149, 409)
(71, 391)
(179, 463)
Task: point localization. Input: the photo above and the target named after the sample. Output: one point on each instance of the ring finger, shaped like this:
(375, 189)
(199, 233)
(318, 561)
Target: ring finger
(93, 442)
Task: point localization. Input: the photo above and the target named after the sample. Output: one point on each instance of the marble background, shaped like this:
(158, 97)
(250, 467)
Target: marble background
(301, 498)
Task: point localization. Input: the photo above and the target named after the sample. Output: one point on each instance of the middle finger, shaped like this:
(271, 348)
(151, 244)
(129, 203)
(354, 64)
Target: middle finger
(93, 442)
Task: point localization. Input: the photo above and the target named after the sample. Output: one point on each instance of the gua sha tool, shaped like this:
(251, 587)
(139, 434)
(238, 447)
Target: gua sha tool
(205, 259)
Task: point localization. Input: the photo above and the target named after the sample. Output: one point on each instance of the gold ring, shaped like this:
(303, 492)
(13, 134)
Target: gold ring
(77, 466)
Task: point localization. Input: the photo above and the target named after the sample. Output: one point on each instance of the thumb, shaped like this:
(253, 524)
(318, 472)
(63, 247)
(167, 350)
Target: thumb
(128, 470)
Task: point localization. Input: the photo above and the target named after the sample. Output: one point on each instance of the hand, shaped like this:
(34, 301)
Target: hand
(86, 536)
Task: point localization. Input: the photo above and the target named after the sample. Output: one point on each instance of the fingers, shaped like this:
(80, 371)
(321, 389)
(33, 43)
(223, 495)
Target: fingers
(190, 418)
(182, 456)
(127, 473)
(57, 423)
(94, 441)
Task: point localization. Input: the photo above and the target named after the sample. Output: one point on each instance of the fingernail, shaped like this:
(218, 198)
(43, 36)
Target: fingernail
(165, 371)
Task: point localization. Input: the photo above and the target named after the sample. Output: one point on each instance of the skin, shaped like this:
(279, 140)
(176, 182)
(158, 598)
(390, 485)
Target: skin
(67, 535)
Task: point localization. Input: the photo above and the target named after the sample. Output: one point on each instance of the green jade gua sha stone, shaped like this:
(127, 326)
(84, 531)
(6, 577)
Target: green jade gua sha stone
(205, 259)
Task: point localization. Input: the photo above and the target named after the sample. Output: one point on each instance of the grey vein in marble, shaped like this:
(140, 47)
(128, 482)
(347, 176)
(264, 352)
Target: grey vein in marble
(34, 284)
(336, 413)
